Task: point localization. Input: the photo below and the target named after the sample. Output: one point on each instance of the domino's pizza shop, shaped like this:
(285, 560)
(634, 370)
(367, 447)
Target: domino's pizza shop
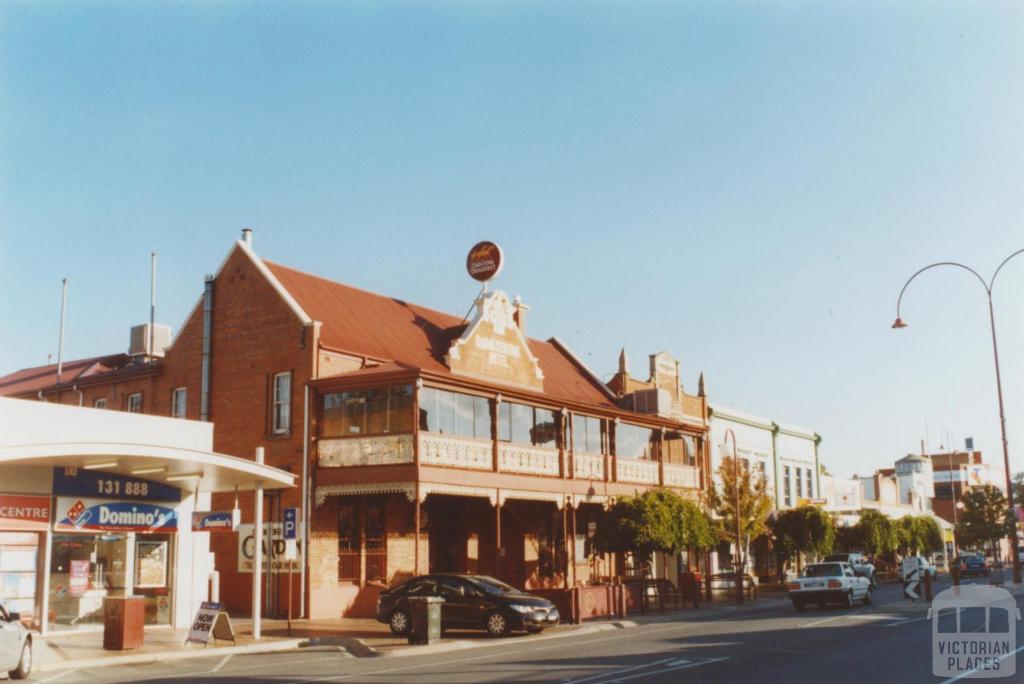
(83, 519)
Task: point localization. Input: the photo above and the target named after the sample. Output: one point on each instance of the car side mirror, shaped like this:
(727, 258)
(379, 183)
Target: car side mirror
(14, 617)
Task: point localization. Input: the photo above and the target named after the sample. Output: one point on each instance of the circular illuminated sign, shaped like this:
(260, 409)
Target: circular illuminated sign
(484, 261)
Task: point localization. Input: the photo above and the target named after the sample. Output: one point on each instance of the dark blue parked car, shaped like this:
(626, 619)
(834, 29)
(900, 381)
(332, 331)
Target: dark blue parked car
(972, 565)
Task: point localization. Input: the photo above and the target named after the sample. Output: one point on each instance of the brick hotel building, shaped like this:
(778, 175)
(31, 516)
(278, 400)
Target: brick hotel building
(421, 442)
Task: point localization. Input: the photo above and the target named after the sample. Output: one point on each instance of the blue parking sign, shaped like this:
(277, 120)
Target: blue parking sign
(291, 523)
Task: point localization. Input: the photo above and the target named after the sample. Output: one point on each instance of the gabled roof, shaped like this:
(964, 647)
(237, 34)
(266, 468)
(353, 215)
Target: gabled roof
(31, 380)
(392, 330)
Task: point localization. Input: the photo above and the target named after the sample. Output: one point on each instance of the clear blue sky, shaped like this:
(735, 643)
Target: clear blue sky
(744, 184)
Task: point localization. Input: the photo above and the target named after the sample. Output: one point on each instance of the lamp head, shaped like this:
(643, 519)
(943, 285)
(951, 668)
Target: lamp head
(898, 323)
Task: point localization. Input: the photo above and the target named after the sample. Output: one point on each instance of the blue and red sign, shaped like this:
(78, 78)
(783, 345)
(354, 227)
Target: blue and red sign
(96, 483)
(114, 516)
(215, 521)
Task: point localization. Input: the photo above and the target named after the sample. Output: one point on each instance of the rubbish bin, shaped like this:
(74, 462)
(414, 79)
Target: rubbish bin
(426, 619)
(123, 621)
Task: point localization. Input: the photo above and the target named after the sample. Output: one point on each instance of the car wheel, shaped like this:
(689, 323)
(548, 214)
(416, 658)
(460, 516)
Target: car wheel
(400, 622)
(867, 597)
(799, 605)
(25, 664)
(849, 599)
(496, 624)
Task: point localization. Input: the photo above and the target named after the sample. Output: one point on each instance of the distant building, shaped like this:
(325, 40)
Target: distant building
(953, 474)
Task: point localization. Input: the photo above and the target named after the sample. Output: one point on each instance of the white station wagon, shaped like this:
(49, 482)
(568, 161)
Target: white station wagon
(824, 583)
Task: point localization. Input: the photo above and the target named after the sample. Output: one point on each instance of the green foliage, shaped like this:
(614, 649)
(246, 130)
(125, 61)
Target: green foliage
(657, 520)
(803, 530)
(1018, 488)
(985, 517)
(918, 534)
(754, 502)
(875, 532)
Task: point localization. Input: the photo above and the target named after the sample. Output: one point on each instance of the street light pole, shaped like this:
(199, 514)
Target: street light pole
(740, 562)
(898, 323)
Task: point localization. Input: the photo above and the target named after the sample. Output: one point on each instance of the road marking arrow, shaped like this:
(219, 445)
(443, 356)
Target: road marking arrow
(908, 590)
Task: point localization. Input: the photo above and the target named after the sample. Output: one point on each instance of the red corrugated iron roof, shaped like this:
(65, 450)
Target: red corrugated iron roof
(30, 380)
(381, 327)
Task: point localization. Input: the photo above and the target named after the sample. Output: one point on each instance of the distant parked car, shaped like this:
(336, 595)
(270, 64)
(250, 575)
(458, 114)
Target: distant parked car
(470, 602)
(824, 583)
(15, 646)
(972, 565)
(861, 566)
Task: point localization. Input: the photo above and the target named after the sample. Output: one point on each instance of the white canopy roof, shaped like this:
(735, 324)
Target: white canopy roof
(170, 450)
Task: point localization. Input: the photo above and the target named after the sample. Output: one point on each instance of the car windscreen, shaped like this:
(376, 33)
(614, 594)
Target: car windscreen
(492, 586)
(824, 570)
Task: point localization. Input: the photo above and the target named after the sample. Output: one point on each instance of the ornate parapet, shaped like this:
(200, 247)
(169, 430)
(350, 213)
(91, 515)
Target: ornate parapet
(528, 460)
(365, 451)
(455, 452)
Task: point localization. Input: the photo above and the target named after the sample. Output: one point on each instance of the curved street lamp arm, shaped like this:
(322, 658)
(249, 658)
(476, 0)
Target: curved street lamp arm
(992, 282)
(947, 263)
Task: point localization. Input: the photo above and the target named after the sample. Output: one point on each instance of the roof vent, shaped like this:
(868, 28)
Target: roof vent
(247, 236)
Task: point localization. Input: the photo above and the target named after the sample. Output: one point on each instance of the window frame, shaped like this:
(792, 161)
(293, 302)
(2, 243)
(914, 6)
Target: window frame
(129, 400)
(276, 401)
(100, 403)
(175, 393)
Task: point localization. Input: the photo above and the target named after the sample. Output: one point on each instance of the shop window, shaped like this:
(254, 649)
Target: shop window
(633, 441)
(362, 538)
(680, 448)
(588, 435)
(281, 411)
(522, 424)
(455, 414)
(368, 412)
(135, 402)
(19, 554)
(179, 399)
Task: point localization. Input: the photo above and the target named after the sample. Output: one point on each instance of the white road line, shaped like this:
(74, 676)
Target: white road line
(65, 673)
(968, 673)
(698, 663)
(222, 663)
(616, 672)
(873, 616)
(821, 622)
(903, 622)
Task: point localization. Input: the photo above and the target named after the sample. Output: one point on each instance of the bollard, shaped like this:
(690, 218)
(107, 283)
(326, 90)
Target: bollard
(954, 574)
(927, 586)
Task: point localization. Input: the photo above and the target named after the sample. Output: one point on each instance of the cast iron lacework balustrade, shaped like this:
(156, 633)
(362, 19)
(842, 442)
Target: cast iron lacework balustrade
(455, 452)
(363, 451)
(681, 476)
(529, 460)
(588, 466)
(641, 472)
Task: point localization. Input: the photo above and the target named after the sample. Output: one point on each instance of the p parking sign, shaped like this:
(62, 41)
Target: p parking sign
(291, 523)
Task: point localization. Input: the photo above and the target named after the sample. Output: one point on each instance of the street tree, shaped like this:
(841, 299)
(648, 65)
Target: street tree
(657, 520)
(984, 519)
(918, 534)
(805, 530)
(737, 482)
(875, 532)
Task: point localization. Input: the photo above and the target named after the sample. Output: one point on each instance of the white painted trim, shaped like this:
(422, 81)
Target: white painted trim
(274, 282)
(750, 419)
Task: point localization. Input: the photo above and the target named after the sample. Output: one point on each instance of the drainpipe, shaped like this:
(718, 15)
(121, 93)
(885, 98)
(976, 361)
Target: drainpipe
(817, 466)
(775, 465)
(305, 502)
(204, 386)
(81, 394)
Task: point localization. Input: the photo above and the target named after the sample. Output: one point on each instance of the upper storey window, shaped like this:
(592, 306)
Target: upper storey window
(633, 441)
(523, 424)
(588, 435)
(368, 412)
(680, 448)
(456, 414)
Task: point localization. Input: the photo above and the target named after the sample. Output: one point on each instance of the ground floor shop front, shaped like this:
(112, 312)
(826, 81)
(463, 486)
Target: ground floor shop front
(361, 544)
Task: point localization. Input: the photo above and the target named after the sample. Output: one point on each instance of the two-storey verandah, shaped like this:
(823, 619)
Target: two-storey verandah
(427, 472)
